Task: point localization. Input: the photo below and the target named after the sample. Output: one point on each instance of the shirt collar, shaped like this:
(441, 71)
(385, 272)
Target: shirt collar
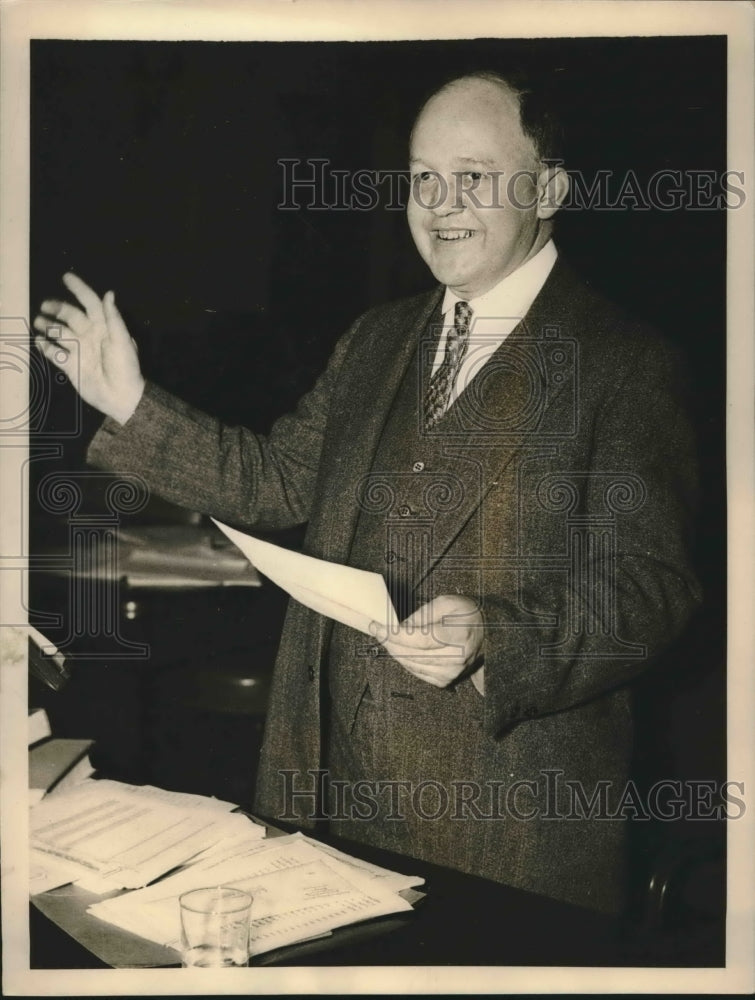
(515, 293)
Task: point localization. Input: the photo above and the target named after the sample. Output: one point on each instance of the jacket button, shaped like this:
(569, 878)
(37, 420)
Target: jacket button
(418, 467)
(311, 672)
(404, 510)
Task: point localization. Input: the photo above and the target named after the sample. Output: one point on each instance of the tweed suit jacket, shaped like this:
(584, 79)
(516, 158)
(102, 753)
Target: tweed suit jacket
(571, 530)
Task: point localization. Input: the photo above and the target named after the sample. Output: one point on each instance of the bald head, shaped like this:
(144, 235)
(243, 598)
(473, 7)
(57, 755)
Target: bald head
(536, 102)
(486, 88)
(484, 102)
(478, 208)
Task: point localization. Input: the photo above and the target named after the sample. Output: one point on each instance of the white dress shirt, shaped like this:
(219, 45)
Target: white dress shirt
(495, 314)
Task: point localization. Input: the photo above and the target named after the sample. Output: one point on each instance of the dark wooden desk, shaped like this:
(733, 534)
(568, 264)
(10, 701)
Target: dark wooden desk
(464, 920)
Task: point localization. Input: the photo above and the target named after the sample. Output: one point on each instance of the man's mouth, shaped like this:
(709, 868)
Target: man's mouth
(453, 235)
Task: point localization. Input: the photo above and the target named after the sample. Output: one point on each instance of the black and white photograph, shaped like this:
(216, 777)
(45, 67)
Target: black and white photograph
(379, 473)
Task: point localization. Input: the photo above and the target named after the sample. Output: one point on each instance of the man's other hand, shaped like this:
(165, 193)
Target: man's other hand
(104, 367)
(439, 641)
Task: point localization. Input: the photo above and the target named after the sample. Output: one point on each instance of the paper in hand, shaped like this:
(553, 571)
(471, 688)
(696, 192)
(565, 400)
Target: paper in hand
(354, 597)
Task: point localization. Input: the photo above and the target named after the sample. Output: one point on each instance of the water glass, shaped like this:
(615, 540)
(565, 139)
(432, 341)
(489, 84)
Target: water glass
(215, 927)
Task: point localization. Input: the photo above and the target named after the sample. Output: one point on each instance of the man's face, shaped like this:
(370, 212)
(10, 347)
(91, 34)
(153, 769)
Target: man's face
(466, 147)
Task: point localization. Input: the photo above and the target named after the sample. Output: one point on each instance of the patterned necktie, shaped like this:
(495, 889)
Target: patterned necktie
(442, 383)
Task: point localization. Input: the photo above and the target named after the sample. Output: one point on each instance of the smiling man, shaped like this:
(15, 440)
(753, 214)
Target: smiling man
(482, 196)
(512, 453)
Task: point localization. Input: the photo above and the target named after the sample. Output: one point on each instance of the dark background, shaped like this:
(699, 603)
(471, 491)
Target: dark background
(154, 172)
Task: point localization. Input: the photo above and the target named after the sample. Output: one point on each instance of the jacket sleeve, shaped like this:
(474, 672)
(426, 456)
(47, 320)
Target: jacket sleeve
(624, 588)
(194, 461)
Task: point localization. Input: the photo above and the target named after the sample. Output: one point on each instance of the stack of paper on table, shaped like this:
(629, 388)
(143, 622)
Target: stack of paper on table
(301, 889)
(108, 835)
(105, 835)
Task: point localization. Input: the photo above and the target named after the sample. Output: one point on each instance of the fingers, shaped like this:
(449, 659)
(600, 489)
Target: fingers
(449, 663)
(113, 318)
(443, 618)
(89, 299)
(55, 353)
(438, 642)
(101, 316)
(49, 327)
(437, 676)
(77, 321)
(406, 631)
(380, 632)
(438, 652)
(438, 664)
(433, 636)
(422, 617)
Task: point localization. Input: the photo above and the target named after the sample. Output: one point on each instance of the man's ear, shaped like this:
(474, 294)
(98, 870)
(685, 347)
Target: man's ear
(552, 189)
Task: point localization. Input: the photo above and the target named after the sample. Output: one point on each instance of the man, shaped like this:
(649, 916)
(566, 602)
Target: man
(513, 455)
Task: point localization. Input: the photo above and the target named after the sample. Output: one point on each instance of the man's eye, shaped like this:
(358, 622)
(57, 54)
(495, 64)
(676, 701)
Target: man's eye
(473, 175)
(423, 176)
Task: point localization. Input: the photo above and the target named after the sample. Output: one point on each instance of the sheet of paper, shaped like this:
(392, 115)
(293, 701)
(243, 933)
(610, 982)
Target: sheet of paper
(354, 597)
(239, 840)
(394, 880)
(123, 838)
(80, 772)
(223, 857)
(46, 872)
(233, 846)
(298, 892)
(184, 800)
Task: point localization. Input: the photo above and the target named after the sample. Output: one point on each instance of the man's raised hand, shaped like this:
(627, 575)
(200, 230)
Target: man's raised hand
(104, 369)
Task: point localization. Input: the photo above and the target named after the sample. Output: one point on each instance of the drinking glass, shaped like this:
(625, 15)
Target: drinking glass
(215, 927)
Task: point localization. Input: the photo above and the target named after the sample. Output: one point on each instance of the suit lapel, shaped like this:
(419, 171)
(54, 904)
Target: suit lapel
(514, 403)
(511, 405)
(365, 409)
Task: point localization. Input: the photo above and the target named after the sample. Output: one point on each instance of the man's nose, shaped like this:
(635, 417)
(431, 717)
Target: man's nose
(449, 198)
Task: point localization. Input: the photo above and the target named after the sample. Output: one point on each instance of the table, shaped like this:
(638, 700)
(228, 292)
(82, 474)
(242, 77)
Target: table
(463, 920)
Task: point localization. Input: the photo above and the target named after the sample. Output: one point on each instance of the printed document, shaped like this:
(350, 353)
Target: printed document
(123, 837)
(299, 891)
